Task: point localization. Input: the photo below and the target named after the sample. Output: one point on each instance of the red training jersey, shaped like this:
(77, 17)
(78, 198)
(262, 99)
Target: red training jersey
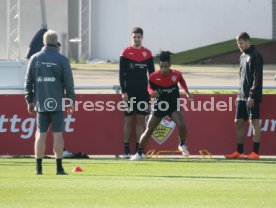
(135, 65)
(167, 86)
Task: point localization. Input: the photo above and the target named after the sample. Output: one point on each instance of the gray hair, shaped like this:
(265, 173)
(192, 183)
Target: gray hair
(50, 38)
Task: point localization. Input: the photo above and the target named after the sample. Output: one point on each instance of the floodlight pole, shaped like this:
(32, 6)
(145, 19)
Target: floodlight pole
(80, 28)
(8, 29)
(13, 29)
(19, 29)
(43, 14)
(90, 32)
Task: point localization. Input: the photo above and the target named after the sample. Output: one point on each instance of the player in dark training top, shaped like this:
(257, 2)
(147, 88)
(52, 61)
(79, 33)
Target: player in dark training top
(136, 63)
(163, 85)
(249, 97)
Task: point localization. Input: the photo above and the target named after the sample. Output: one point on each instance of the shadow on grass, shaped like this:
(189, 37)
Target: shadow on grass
(120, 161)
(134, 177)
(235, 161)
(144, 177)
(204, 177)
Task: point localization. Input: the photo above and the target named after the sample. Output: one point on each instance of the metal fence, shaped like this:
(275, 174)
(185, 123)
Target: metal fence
(117, 88)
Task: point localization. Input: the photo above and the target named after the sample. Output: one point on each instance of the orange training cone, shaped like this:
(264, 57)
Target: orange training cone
(77, 169)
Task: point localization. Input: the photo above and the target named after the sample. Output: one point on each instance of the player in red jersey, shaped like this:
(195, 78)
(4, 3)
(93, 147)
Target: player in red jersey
(136, 63)
(164, 87)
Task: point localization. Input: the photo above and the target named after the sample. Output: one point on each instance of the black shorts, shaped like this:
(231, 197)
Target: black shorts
(44, 119)
(243, 112)
(160, 110)
(137, 104)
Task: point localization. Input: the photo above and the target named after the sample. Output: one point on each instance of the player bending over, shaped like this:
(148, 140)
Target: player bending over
(163, 85)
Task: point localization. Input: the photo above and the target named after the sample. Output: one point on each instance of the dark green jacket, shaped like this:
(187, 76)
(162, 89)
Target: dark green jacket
(48, 80)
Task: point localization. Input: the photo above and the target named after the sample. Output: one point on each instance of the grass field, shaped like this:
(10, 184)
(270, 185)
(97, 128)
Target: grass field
(198, 54)
(120, 183)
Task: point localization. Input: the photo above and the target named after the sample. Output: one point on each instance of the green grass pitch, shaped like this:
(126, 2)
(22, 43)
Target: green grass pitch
(149, 183)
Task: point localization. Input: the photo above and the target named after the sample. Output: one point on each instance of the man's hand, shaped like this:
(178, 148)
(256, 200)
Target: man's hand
(125, 97)
(250, 103)
(70, 110)
(190, 97)
(31, 107)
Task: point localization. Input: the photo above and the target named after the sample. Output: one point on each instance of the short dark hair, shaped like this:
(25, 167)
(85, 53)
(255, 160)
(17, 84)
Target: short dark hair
(165, 56)
(243, 36)
(137, 30)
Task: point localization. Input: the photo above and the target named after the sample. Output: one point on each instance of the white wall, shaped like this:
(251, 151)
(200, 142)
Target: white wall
(56, 12)
(13, 75)
(176, 25)
(110, 25)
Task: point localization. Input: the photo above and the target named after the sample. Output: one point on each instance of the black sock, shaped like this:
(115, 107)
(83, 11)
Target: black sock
(39, 165)
(59, 164)
(127, 151)
(240, 148)
(140, 151)
(137, 147)
(256, 147)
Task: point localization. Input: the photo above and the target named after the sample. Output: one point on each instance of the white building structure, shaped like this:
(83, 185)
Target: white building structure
(177, 25)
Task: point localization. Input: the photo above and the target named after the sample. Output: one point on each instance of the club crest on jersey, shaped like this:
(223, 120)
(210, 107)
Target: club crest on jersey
(174, 78)
(164, 130)
(144, 53)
